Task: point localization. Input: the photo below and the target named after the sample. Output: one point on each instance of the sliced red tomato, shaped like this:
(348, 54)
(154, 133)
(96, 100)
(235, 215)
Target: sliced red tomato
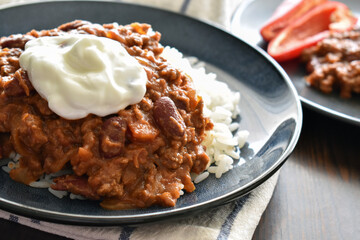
(309, 29)
(287, 12)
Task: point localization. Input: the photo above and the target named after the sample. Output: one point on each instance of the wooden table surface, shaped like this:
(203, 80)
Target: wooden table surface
(318, 193)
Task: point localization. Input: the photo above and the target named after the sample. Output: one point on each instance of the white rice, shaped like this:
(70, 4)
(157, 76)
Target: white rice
(6, 169)
(76, 196)
(59, 194)
(221, 105)
(9, 163)
(201, 177)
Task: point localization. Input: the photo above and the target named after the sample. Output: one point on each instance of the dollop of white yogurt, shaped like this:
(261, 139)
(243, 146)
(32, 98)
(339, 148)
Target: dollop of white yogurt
(80, 74)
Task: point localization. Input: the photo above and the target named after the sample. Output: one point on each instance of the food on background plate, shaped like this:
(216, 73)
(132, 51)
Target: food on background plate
(285, 14)
(140, 154)
(308, 28)
(322, 33)
(334, 63)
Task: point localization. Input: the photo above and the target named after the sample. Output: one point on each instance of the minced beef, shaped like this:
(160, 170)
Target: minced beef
(334, 63)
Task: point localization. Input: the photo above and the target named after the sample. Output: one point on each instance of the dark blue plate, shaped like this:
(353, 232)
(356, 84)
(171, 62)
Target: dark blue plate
(270, 108)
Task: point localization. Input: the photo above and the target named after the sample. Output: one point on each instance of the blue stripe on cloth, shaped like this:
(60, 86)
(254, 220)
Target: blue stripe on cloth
(35, 221)
(13, 218)
(126, 233)
(229, 221)
(184, 6)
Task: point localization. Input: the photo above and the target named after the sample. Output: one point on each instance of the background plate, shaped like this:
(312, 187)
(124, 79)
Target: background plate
(246, 23)
(271, 109)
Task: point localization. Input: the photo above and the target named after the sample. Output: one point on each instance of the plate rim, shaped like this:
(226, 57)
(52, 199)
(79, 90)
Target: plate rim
(81, 219)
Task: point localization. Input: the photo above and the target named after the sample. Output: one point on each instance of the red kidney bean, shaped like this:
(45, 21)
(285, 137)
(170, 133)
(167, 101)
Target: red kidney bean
(168, 118)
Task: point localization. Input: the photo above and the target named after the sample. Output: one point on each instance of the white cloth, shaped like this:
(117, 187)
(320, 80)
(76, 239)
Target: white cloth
(236, 220)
